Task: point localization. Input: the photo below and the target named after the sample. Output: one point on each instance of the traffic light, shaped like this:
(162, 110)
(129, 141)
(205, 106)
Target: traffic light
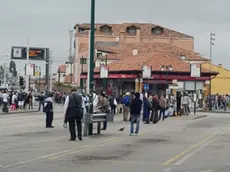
(21, 81)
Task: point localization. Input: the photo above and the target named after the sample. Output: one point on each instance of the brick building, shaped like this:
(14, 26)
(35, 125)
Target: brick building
(119, 43)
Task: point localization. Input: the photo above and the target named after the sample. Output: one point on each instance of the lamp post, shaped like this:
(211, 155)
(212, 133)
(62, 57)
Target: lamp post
(59, 75)
(71, 70)
(39, 76)
(167, 69)
(91, 61)
(82, 62)
(212, 39)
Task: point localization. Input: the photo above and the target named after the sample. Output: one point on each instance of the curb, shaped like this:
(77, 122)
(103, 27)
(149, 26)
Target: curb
(18, 112)
(213, 112)
(198, 117)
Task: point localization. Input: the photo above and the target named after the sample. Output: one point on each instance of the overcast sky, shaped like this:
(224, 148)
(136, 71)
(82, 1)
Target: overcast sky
(46, 22)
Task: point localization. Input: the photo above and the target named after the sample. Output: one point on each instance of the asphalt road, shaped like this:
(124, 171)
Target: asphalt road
(175, 145)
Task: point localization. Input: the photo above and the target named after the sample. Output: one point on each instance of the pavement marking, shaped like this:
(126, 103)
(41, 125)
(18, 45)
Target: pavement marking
(62, 153)
(178, 163)
(208, 171)
(131, 162)
(85, 148)
(194, 146)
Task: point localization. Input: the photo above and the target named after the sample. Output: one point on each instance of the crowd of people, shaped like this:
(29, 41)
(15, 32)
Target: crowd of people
(16, 100)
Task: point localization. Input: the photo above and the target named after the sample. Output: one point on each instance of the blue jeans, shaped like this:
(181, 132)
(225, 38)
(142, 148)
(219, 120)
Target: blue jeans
(134, 119)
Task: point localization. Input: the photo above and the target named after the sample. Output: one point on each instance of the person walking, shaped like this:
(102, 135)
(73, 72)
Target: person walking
(135, 111)
(74, 114)
(48, 109)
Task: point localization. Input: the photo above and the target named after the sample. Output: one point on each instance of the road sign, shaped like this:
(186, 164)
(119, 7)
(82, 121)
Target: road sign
(146, 87)
(35, 53)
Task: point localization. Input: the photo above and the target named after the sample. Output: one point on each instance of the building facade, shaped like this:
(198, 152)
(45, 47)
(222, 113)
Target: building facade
(126, 33)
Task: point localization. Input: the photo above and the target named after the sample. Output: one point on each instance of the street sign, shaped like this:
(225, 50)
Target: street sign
(146, 87)
(195, 70)
(20, 53)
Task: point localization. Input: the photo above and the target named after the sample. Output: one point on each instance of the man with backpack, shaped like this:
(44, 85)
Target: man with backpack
(126, 105)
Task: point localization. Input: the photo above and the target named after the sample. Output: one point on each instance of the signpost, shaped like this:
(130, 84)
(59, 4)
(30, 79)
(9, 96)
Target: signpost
(19, 53)
(146, 73)
(32, 53)
(195, 71)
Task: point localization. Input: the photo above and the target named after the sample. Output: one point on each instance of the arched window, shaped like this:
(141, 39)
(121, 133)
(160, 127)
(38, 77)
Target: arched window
(106, 29)
(157, 30)
(132, 30)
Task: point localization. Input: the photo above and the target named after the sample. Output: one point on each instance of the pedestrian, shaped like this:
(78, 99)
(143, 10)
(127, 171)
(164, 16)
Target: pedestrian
(162, 104)
(104, 108)
(48, 109)
(5, 101)
(74, 114)
(41, 99)
(135, 111)
(13, 102)
(126, 106)
(146, 111)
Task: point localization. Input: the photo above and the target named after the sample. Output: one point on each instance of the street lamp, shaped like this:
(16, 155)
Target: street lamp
(167, 69)
(71, 70)
(39, 75)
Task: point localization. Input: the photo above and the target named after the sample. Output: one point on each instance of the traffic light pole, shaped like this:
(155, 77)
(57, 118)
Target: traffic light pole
(91, 61)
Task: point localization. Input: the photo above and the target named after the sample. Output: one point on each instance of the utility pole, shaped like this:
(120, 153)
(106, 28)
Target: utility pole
(27, 63)
(92, 32)
(70, 53)
(50, 72)
(212, 39)
(91, 61)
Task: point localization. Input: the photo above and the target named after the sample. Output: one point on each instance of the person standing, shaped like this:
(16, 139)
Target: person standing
(146, 111)
(13, 102)
(48, 109)
(135, 111)
(41, 100)
(20, 100)
(162, 104)
(5, 102)
(73, 114)
(126, 105)
(113, 104)
(185, 104)
(104, 108)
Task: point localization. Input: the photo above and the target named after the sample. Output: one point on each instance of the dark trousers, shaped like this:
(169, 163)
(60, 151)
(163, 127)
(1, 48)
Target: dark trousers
(154, 116)
(162, 111)
(72, 124)
(5, 108)
(41, 103)
(49, 118)
(113, 109)
(87, 109)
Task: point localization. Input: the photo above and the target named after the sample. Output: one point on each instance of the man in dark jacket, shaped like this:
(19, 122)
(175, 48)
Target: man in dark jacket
(48, 109)
(74, 114)
(135, 111)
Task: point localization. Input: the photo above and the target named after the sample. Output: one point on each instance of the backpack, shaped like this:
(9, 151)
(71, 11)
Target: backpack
(126, 101)
(162, 103)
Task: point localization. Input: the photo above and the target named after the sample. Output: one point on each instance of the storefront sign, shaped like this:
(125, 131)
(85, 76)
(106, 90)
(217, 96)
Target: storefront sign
(104, 73)
(146, 71)
(195, 70)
